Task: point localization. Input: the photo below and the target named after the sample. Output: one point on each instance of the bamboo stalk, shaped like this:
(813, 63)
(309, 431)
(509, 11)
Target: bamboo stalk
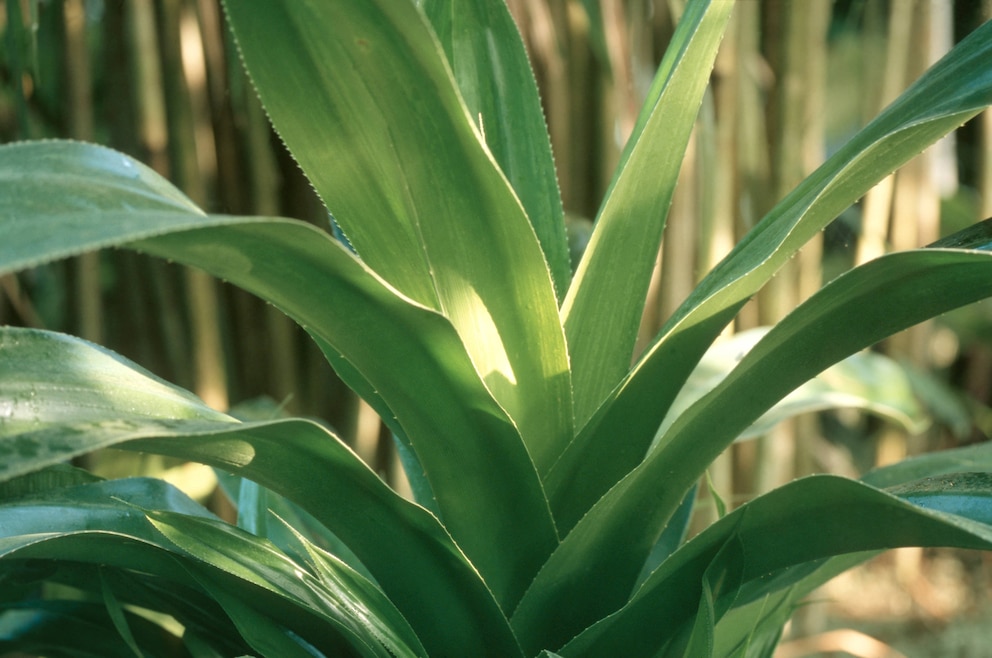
(916, 198)
(810, 259)
(192, 161)
(877, 204)
(79, 111)
(985, 149)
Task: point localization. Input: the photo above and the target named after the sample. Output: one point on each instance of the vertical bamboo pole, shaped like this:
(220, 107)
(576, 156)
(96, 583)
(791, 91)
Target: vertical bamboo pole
(916, 197)
(877, 204)
(151, 147)
(795, 43)
(979, 360)
(752, 180)
(79, 110)
(192, 159)
(812, 154)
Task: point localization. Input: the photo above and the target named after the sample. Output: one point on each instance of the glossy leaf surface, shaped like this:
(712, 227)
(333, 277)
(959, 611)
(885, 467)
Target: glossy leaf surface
(961, 83)
(806, 520)
(341, 492)
(596, 564)
(393, 132)
(603, 307)
(436, 396)
(108, 524)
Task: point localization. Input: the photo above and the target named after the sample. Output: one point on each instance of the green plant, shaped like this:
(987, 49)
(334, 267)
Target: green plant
(550, 512)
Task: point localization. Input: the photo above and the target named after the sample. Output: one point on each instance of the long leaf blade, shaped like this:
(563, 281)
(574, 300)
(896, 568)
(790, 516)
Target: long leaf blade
(603, 307)
(806, 520)
(350, 500)
(400, 165)
(436, 396)
(592, 571)
(490, 65)
(957, 87)
(95, 517)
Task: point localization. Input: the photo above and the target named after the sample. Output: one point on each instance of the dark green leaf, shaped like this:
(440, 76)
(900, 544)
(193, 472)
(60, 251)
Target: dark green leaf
(803, 521)
(592, 571)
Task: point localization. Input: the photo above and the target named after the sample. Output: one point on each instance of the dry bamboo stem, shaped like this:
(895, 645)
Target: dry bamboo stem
(182, 64)
(79, 102)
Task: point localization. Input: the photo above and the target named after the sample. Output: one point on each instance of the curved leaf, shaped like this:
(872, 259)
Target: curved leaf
(107, 524)
(414, 358)
(592, 571)
(806, 520)
(77, 628)
(490, 65)
(969, 459)
(341, 492)
(48, 378)
(957, 87)
(603, 307)
(867, 380)
(400, 165)
(766, 604)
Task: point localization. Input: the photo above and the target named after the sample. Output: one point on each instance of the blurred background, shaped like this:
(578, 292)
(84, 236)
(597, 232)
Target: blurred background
(161, 81)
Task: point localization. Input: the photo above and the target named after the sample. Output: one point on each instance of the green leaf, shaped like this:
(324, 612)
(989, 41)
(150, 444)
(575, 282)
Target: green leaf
(52, 477)
(766, 604)
(964, 494)
(48, 378)
(287, 519)
(351, 500)
(401, 166)
(76, 628)
(376, 523)
(673, 535)
(436, 395)
(592, 571)
(969, 459)
(363, 616)
(720, 584)
(118, 618)
(490, 65)
(109, 524)
(803, 521)
(603, 307)
(867, 380)
(957, 87)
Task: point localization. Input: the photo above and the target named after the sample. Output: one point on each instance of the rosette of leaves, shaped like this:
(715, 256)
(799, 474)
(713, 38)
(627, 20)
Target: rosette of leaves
(549, 510)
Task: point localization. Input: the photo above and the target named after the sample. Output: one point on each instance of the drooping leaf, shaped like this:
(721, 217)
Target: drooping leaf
(969, 459)
(106, 524)
(806, 520)
(767, 603)
(436, 395)
(49, 378)
(869, 381)
(345, 495)
(592, 571)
